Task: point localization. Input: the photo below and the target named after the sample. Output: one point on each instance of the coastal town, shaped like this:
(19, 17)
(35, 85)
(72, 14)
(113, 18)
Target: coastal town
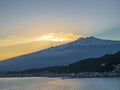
(114, 73)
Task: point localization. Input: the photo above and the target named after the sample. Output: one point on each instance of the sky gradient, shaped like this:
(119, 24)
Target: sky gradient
(24, 21)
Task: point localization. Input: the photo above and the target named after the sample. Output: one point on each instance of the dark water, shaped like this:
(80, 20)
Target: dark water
(36, 83)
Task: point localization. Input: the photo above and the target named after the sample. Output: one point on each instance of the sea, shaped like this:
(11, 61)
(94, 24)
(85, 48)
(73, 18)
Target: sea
(45, 83)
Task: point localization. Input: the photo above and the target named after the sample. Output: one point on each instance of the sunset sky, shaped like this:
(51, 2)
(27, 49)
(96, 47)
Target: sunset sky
(30, 25)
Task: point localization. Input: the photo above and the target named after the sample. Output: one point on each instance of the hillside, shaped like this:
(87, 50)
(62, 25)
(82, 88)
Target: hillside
(103, 64)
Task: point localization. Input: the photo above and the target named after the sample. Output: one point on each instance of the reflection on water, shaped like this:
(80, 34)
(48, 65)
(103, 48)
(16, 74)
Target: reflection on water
(34, 83)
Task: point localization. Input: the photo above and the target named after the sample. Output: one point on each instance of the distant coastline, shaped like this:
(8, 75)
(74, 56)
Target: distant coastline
(114, 73)
(106, 66)
(64, 75)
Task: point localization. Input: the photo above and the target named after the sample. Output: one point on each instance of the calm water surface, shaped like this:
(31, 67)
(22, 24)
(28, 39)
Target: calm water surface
(37, 83)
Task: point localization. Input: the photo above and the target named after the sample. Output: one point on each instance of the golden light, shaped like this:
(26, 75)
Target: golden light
(50, 37)
(19, 45)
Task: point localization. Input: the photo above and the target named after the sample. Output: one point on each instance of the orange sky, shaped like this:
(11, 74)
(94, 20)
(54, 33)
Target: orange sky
(19, 45)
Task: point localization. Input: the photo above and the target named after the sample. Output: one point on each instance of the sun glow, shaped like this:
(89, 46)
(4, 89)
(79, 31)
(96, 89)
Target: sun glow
(59, 37)
(52, 38)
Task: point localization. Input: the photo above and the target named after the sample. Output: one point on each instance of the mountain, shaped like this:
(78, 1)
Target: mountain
(65, 54)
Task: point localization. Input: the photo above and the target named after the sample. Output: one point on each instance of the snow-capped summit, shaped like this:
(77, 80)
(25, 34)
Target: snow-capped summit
(82, 48)
(90, 41)
(94, 41)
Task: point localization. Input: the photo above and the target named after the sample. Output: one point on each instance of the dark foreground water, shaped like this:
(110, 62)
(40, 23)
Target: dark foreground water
(37, 83)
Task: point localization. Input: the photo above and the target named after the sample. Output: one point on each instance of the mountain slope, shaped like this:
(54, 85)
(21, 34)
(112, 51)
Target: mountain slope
(62, 55)
(102, 64)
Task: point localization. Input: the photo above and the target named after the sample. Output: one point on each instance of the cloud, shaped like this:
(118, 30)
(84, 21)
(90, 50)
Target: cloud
(58, 37)
(46, 37)
(14, 40)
